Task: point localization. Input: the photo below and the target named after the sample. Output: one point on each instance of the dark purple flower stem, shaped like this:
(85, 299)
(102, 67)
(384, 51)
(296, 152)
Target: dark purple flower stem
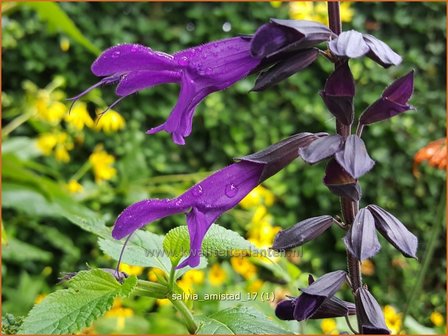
(349, 208)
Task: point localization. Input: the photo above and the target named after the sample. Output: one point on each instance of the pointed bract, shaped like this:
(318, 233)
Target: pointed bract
(321, 148)
(369, 313)
(285, 309)
(334, 307)
(394, 231)
(302, 232)
(284, 69)
(393, 101)
(340, 182)
(199, 71)
(354, 157)
(338, 94)
(361, 239)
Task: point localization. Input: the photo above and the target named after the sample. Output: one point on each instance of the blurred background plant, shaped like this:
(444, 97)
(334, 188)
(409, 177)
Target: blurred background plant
(66, 174)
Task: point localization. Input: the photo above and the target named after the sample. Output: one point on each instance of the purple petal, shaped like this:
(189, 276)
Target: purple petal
(354, 157)
(321, 149)
(361, 240)
(271, 37)
(394, 101)
(284, 310)
(349, 44)
(334, 307)
(394, 231)
(340, 182)
(285, 69)
(139, 80)
(277, 156)
(302, 232)
(141, 213)
(369, 313)
(131, 57)
(327, 285)
(380, 52)
(338, 94)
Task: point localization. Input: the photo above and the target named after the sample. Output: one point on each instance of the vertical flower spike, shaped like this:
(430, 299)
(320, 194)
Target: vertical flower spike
(200, 71)
(393, 101)
(321, 148)
(312, 298)
(208, 199)
(340, 182)
(354, 157)
(394, 231)
(361, 240)
(302, 232)
(353, 44)
(369, 314)
(338, 94)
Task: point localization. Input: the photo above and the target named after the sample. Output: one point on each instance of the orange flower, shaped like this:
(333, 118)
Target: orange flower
(435, 153)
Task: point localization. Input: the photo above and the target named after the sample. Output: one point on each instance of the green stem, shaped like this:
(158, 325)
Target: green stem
(16, 123)
(427, 258)
(81, 171)
(186, 314)
(172, 278)
(152, 289)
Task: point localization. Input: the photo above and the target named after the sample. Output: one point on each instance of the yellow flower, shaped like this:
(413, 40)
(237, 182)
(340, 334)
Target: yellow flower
(263, 234)
(74, 187)
(317, 11)
(163, 302)
(110, 121)
(79, 117)
(243, 266)
(102, 165)
(46, 142)
(39, 298)
(437, 319)
(367, 267)
(64, 44)
(48, 109)
(61, 154)
(255, 286)
(130, 269)
(194, 277)
(276, 4)
(216, 275)
(393, 319)
(328, 326)
(259, 195)
(155, 273)
(119, 313)
(185, 285)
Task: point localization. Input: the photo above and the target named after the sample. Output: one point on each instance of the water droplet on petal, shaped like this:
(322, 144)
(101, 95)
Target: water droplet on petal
(134, 48)
(227, 26)
(179, 202)
(115, 54)
(183, 61)
(197, 191)
(231, 190)
(209, 71)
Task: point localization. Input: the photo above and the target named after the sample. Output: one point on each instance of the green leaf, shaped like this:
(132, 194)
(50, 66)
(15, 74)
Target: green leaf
(89, 296)
(143, 249)
(238, 320)
(58, 20)
(18, 251)
(218, 240)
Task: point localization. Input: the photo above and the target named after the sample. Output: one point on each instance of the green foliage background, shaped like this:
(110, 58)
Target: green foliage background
(226, 125)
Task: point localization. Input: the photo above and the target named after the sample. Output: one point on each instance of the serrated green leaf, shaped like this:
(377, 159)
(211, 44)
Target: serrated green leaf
(143, 249)
(238, 320)
(218, 240)
(89, 296)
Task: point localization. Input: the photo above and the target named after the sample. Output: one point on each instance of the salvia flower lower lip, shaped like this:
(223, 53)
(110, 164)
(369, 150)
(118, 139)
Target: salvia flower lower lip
(199, 71)
(207, 200)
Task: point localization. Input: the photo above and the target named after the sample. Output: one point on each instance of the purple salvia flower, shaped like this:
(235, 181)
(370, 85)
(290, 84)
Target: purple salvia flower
(314, 296)
(219, 192)
(353, 44)
(340, 182)
(369, 314)
(302, 232)
(200, 71)
(322, 148)
(338, 94)
(354, 157)
(361, 239)
(393, 101)
(394, 231)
